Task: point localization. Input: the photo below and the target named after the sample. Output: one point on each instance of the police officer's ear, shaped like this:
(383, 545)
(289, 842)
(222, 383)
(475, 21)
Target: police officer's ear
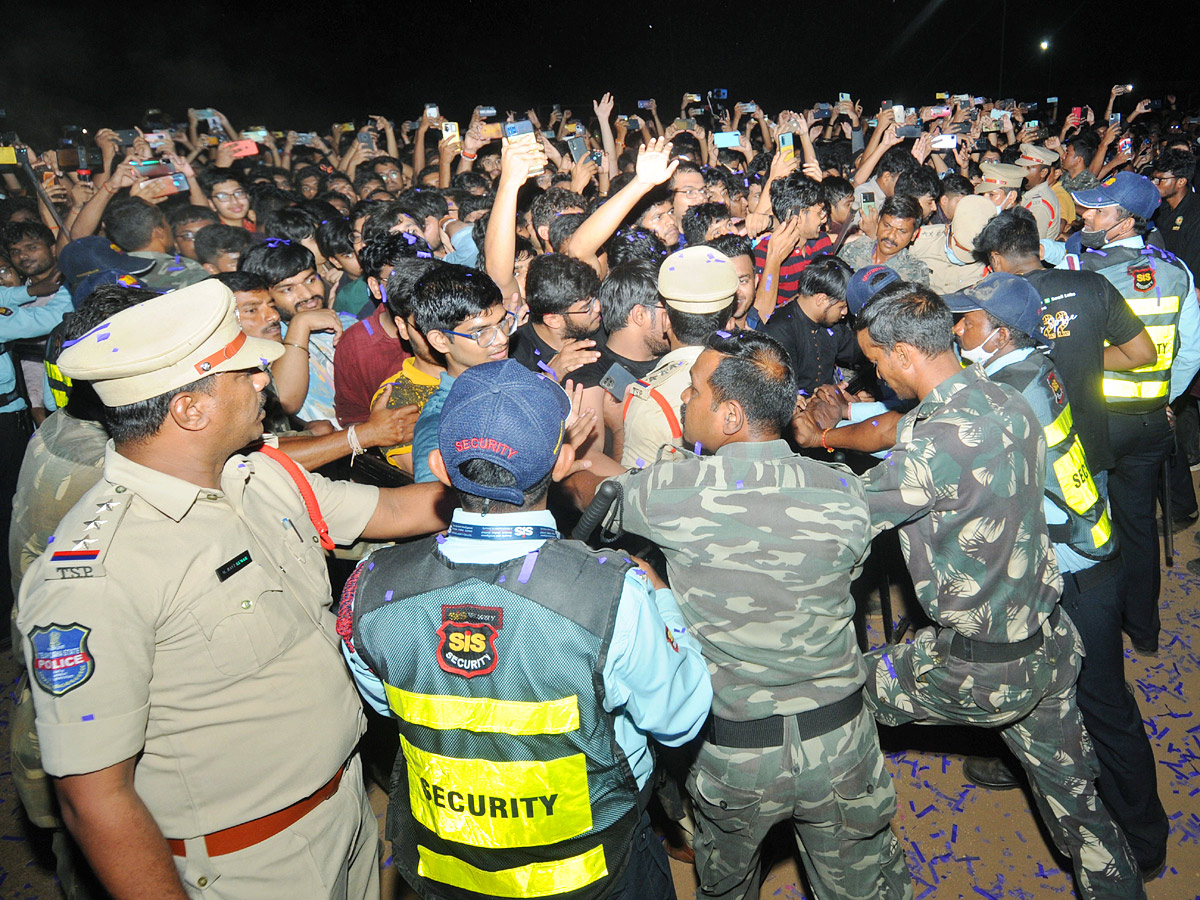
(733, 417)
(191, 411)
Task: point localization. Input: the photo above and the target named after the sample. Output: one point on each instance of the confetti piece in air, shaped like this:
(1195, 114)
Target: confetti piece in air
(641, 463)
(697, 448)
(441, 539)
(527, 567)
(547, 369)
(724, 334)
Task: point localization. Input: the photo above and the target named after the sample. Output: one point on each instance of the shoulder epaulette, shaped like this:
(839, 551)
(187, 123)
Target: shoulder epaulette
(81, 541)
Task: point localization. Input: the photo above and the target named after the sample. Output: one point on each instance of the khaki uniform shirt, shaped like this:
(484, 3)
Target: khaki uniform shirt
(1043, 203)
(652, 408)
(944, 276)
(192, 625)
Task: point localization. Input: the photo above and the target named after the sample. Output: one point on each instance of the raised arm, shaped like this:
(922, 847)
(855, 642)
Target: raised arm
(500, 242)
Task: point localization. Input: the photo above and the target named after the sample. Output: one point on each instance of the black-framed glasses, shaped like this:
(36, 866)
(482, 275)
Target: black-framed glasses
(487, 335)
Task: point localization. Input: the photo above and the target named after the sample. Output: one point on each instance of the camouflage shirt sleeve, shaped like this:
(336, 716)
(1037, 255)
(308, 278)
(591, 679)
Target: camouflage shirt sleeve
(901, 488)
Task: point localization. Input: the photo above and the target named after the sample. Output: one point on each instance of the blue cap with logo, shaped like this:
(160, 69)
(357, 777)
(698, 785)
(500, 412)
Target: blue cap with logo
(866, 283)
(504, 413)
(91, 261)
(1128, 190)
(1010, 298)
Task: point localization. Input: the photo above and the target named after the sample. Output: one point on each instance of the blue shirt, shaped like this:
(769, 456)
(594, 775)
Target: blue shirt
(658, 690)
(425, 433)
(318, 402)
(19, 320)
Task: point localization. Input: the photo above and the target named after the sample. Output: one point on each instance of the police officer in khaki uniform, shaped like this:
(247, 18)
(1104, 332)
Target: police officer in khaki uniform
(1040, 198)
(1001, 184)
(948, 249)
(190, 699)
(699, 285)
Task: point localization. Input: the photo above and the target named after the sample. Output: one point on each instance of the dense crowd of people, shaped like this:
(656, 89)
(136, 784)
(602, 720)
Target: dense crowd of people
(753, 346)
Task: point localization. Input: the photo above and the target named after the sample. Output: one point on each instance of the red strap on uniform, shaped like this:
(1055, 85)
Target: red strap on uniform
(306, 492)
(672, 419)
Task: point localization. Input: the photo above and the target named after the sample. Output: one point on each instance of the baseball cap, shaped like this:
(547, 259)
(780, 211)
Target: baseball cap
(866, 283)
(165, 343)
(1010, 298)
(1127, 190)
(504, 413)
(697, 280)
(87, 261)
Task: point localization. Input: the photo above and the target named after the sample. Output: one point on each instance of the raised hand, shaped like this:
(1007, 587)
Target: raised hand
(654, 164)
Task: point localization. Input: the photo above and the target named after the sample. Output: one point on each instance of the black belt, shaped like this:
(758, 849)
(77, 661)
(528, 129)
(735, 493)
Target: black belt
(772, 731)
(1094, 576)
(984, 651)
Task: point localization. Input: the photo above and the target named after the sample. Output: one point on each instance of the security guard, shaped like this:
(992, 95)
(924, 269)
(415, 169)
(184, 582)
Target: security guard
(699, 286)
(524, 671)
(947, 250)
(1039, 198)
(1161, 292)
(177, 633)
(1001, 184)
(1000, 328)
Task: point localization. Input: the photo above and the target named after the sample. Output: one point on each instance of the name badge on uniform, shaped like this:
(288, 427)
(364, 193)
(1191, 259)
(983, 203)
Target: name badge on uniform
(225, 570)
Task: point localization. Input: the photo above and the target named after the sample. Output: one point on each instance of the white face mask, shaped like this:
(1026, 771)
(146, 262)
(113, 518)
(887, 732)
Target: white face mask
(979, 354)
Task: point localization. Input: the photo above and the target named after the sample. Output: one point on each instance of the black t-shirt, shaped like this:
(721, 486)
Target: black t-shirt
(589, 376)
(1180, 229)
(528, 348)
(815, 350)
(1081, 310)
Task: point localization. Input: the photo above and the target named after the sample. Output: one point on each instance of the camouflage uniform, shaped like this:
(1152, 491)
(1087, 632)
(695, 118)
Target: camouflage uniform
(171, 271)
(63, 461)
(761, 547)
(860, 253)
(964, 485)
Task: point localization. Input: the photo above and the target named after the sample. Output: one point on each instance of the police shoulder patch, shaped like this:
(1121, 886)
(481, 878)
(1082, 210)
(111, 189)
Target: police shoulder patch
(83, 537)
(61, 659)
(468, 639)
(1056, 387)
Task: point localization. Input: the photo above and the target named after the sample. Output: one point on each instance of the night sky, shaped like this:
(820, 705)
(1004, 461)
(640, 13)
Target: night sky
(288, 67)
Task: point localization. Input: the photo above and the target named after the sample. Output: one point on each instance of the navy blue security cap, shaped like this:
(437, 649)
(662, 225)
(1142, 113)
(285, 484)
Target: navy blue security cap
(504, 413)
(866, 283)
(1011, 299)
(1128, 190)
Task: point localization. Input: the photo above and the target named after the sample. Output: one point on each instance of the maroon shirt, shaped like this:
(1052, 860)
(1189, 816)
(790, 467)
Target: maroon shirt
(790, 271)
(365, 358)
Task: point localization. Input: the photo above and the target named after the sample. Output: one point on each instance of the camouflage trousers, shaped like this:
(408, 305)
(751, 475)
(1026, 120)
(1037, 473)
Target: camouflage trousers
(1031, 701)
(835, 791)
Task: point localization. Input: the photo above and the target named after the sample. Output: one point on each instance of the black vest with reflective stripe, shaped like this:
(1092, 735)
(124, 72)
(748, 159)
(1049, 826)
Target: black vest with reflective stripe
(509, 781)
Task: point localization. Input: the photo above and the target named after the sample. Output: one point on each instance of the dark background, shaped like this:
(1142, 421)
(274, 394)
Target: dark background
(288, 67)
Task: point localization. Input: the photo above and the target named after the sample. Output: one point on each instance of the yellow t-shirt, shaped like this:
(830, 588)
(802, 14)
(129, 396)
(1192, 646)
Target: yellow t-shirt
(410, 385)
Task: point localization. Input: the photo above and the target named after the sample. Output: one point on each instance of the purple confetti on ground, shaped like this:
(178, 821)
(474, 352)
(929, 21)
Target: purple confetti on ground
(887, 661)
(924, 813)
(602, 560)
(546, 368)
(739, 485)
(954, 835)
(103, 337)
(917, 850)
(90, 717)
(387, 597)
(527, 567)
(982, 893)
(697, 448)
(723, 334)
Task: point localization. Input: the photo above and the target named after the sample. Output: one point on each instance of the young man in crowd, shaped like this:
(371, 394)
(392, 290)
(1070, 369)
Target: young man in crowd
(564, 316)
(140, 229)
(899, 224)
(219, 248)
